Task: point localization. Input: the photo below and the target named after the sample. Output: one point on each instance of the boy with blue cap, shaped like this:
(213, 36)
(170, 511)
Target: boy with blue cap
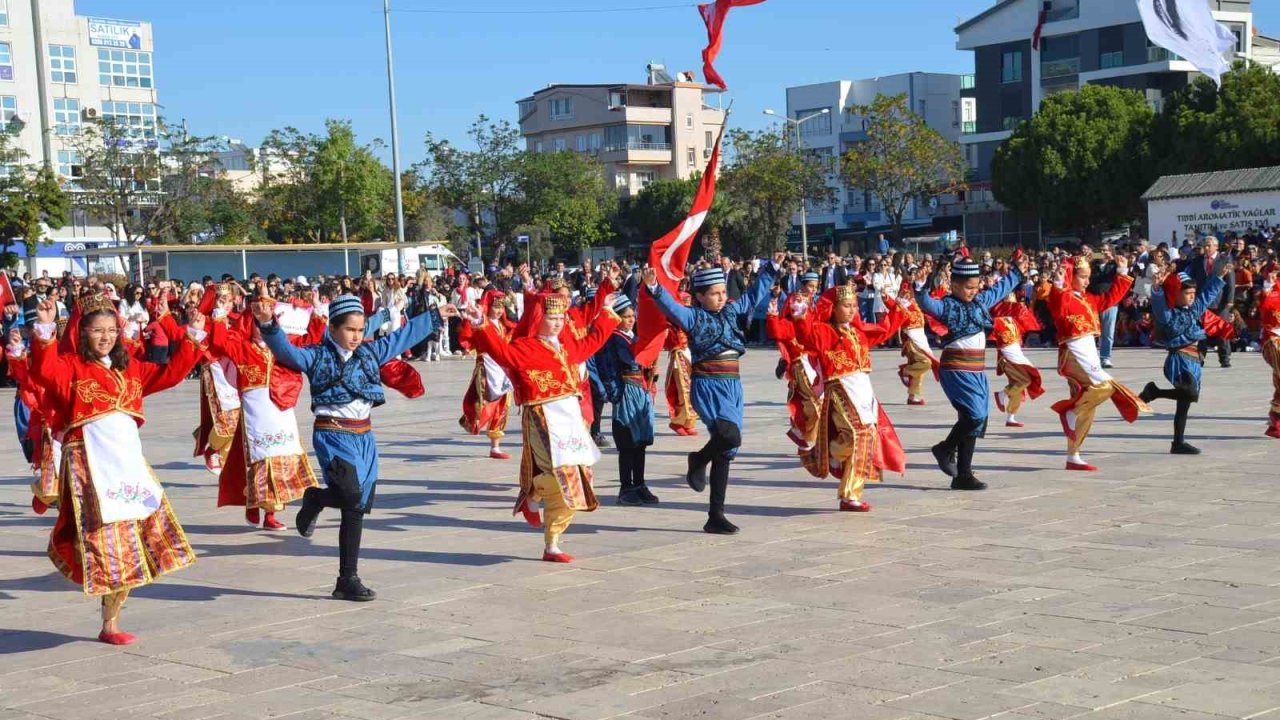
(716, 340)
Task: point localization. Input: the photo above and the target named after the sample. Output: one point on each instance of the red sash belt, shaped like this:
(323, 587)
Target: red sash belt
(957, 360)
(345, 425)
(722, 368)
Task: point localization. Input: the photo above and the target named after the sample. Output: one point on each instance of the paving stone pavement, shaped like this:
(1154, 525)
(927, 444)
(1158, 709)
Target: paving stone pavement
(1147, 591)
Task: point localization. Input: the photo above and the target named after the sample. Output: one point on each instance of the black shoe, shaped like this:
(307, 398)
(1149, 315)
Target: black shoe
(968, 482)
(697, 475)
(946, 460)
(350, 588)
(718, 524)
(781, 369)
(600, 440)
(1225, 363)
(630, 496)
(305, 520)
(1148, 392)
(1183, 448)
(647, 497)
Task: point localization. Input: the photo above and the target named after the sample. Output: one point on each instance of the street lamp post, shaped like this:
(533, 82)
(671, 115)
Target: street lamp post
(804, 212)
(395, 141)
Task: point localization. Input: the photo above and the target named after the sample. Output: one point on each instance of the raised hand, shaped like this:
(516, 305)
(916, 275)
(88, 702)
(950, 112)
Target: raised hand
(197, 321)
(773, 307)
(610, 299)
(264, 310)
(650, 276)
(449, 311)
(1227, 269)
(47, 311)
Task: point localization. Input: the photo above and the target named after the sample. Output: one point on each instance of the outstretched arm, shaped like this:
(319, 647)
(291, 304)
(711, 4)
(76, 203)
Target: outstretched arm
(1208, 294)
(682, 316)
(294, 358)
(993, 295)
(395, 344)
(601, 328)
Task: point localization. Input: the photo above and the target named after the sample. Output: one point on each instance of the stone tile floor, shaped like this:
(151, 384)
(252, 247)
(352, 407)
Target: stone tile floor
(1149, 590)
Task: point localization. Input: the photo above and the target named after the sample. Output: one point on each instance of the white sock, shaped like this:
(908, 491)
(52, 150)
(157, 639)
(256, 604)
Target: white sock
(1075, 458)
(554, 550)
(1013, 418)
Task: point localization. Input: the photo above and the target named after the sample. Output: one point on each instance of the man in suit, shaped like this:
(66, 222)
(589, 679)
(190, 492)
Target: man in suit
(833, 273)
(790, 280)
(734, 284)
(1202, 267)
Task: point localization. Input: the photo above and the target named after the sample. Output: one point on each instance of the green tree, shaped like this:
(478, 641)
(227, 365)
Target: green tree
(565, 192)
(663, 204)
(1078, 161)
(482, 182)
(902, 159)
(1202, 128)
(426, 219)
(764, 181)
(31, 200)
(124, 172)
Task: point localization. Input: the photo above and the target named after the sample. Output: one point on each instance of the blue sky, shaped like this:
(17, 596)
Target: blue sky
(241, 68)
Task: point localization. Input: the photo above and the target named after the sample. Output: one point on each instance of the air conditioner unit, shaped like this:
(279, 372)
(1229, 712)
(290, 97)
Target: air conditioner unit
(89, 113)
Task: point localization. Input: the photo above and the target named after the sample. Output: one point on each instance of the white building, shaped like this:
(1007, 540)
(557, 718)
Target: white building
(58, 70)
(856, 214)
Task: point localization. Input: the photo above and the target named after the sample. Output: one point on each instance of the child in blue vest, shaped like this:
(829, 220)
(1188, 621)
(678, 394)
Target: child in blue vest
(345, 386)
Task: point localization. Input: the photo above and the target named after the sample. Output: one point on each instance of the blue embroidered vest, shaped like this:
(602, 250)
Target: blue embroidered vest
(334, 382)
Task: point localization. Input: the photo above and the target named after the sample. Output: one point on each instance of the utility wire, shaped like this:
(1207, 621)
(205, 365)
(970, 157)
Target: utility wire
(543, 11)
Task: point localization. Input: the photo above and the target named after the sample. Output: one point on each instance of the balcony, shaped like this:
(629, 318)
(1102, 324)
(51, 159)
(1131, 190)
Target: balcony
(1059, 68)
(969, 127)
(1159, 54)
(968, 82)
(636, 114)
(640, 153)
(851, 217)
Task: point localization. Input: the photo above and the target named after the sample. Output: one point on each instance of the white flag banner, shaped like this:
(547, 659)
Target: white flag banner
(1187, 27)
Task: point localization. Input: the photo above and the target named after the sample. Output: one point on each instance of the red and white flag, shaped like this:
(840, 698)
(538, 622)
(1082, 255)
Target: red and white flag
(7, 296)
(1044, 17)
(714, 14)
(669, 254)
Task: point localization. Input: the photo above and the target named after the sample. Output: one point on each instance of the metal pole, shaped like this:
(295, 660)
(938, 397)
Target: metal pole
(244, 265)
(395, 140)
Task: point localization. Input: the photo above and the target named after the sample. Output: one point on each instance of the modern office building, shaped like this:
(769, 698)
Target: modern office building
(856, 214)
(1082, 41)
(664, 128)
(59, 70)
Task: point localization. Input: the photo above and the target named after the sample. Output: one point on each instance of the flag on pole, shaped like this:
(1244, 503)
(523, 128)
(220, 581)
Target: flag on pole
(714, 14)
(1187, 28)
(1044, 17)
(669, 255)
(7, 296)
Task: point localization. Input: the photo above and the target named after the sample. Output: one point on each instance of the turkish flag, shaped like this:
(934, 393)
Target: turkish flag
(7, 296)
(714, 14)
(668, 256)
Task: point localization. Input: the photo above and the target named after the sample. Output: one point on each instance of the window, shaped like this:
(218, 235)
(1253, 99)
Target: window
(688, 120)
(595, 142)
(637, 137)
(561, 108)
(1012, 123)
(4, 12)
(8, 110)
(644, 178)
(820, 124)
(62, 63)
(6, 61)
(537, 146)
(955, 113)
(124, 68)
(526, 108)
(1011, 66)
(559, 144)
(581, 142)
(708, 139)
(1111, 60)
(691, 155)
(69, 168)
(621, 180)
(132, 120)
(1237, 29)
(924, 109)
(66, 116)
(617, 99)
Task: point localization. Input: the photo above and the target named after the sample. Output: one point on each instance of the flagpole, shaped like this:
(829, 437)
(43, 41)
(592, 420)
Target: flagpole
(395, 141)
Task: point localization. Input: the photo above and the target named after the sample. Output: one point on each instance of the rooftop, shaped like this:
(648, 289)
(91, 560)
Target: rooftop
(1263, 179)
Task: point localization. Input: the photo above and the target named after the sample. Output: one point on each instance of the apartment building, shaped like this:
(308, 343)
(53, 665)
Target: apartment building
(59, 70)
(855, 215)
(1082, 41)
(664, 128)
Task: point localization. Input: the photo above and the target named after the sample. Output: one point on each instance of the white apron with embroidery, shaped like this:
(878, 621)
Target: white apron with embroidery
(570, 440)
(809, 372)
(1085, 351)
(225, 376)
(858, 387)
(496, 381)
(55, 439)
(122, 480)
(269, 431)
(1013, 354)
(917, 336)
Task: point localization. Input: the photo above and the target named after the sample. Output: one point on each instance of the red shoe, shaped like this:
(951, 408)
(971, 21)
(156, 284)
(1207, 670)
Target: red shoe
(556, 557)
(213, 462)
(916, 401)
(252, 517)
(269, 522)
(39, 506)
(499, 455)
(850, 506)
(999, 402)
(116, 638)
(1013, 424)
(682, 431)
(1272, 431)
(531, 516)
(1083, 467)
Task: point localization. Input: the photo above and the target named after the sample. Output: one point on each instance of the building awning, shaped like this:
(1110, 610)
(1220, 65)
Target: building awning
(1226, 182)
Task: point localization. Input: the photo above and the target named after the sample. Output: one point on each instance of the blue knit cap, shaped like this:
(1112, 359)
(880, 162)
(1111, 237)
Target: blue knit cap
(622, 303)
(966, 268)
(344, 305)
(591, 292)
(707, 277)
(810, 276)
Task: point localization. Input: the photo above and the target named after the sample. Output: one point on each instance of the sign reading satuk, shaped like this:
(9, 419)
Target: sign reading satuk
(105, 32)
